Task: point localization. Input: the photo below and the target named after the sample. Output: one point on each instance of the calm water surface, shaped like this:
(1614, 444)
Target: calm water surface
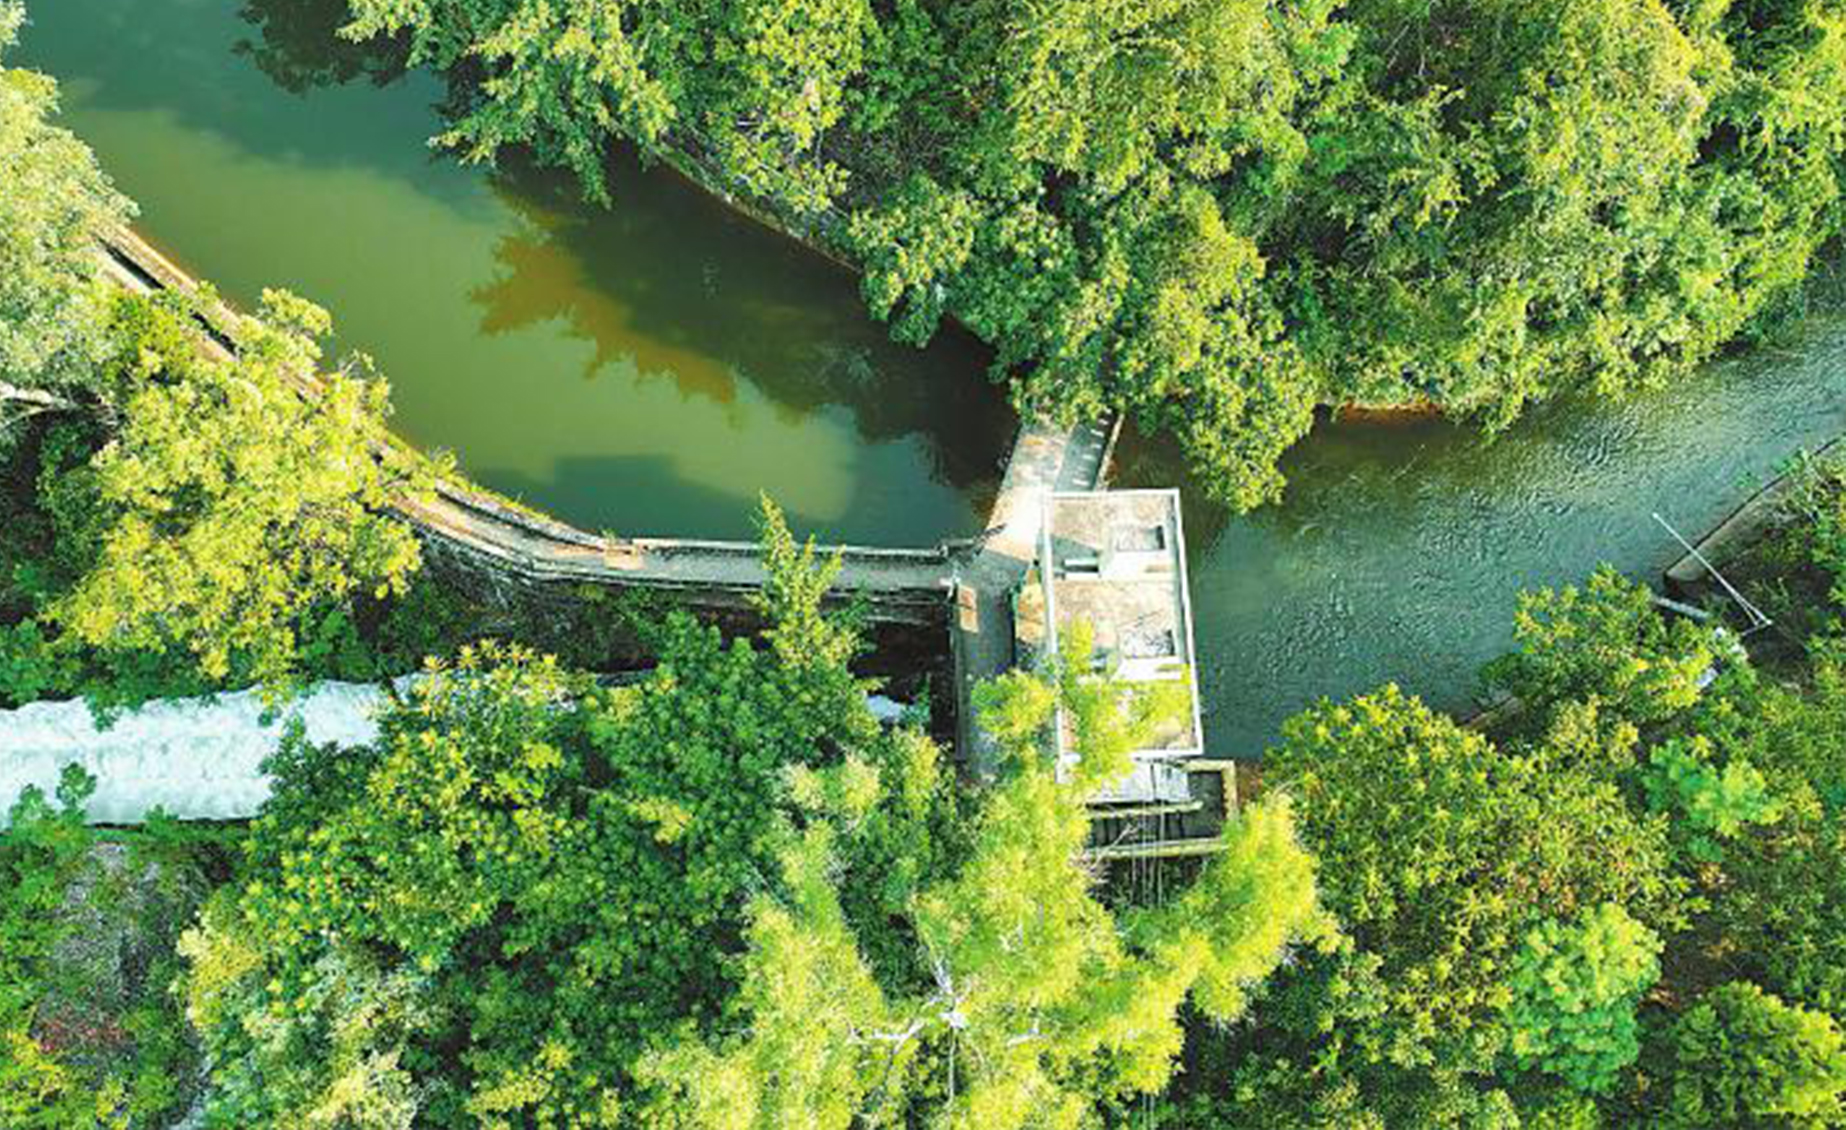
(646, 369)
(650, 368)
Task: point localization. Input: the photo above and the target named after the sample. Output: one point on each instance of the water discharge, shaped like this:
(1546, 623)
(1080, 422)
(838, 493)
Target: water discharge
(1401, 549)
(651, 367)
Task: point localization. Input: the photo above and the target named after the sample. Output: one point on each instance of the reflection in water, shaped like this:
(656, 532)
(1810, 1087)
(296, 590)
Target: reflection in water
(299, 48)
(542, 277)
(727, 361)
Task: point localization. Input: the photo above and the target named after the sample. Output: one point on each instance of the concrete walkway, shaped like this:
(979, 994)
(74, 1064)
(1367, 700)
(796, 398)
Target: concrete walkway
(1045, 459)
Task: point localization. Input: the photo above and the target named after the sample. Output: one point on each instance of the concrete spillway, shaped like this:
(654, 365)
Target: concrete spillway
(198, 758)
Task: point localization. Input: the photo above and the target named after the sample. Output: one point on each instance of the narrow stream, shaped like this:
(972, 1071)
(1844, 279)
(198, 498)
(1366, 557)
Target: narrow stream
(650, 368)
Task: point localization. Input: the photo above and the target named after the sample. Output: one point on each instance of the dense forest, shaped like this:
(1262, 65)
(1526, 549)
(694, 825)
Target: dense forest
(724, 895)
(1215, 215)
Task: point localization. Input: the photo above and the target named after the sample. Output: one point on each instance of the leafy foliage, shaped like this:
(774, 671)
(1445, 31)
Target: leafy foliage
(53, 300)
(1717, 803)
(1036, 1004)
(227, 504)
(91, 1038)
(41, 851)
(528, 882)
(1440, 850)
(1743, 1057)
(1605, 642)
(1574, 991)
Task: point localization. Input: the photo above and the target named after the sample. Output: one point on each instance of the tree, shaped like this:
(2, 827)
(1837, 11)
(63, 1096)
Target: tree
(754, 84)
(780, 83)
(1574, 991)
(41, 851)
(53, 201)
(1605, 642)
(821, 1048)
(1027, 1002)
(1780, 906)
(527, 884)
(1741, 1057)
(89, 1038)
(1715, 804)
(1439, 851)
(224, 504)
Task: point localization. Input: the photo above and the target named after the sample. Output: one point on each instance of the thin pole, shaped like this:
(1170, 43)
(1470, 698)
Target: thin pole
(1757, 619)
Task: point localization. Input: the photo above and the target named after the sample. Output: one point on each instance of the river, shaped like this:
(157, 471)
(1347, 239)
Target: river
(647, 369)
(650, 368)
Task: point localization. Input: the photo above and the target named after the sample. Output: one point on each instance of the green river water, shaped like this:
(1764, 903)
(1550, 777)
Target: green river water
(649, 369)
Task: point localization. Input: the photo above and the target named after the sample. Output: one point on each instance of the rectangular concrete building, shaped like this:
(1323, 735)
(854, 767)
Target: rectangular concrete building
(1116, 560)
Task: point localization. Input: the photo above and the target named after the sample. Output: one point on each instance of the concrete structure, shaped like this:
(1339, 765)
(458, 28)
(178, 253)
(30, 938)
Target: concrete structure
(973, 583)
(981, 632)
(1115, 561)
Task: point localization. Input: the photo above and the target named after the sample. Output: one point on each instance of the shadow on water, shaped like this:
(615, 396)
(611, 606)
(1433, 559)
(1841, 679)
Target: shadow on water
(192, 60)
(298, 46)
(741, 303)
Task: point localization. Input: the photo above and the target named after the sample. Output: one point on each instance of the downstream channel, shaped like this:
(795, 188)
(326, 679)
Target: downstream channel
(649, 368)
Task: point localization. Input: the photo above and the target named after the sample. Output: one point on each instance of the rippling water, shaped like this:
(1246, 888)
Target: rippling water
(1400, 550)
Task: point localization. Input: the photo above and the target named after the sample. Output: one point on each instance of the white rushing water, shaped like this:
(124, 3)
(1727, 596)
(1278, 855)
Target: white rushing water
(198, 758)
(195, 758)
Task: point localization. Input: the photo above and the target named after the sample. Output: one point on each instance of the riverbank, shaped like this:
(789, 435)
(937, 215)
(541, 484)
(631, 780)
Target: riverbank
(1691, 577)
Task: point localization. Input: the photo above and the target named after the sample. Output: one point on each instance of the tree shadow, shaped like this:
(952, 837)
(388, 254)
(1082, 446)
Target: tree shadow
(297, 44)
(674, 283)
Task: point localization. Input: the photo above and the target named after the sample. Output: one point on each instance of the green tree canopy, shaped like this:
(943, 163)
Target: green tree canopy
(492, 913)
(53, 199)
(1741, 1057)
(1575, 986)
(221, 503)
(1440, 850)
(1027, 1003)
